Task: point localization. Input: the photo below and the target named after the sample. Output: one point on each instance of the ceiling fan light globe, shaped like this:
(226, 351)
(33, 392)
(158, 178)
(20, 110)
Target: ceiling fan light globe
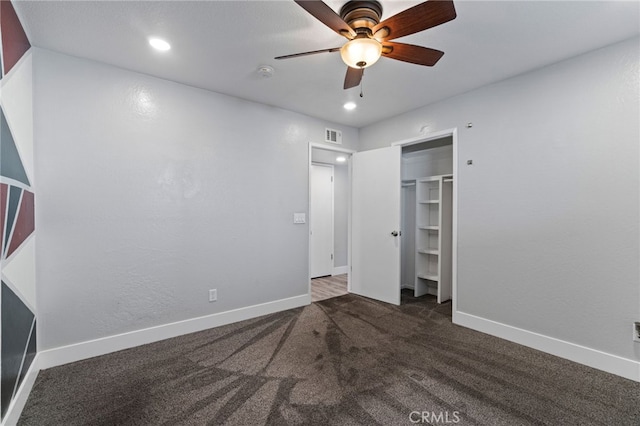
(361, 52)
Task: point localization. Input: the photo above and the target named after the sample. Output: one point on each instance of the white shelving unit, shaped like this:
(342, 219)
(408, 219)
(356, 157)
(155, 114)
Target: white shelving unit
(433, 236)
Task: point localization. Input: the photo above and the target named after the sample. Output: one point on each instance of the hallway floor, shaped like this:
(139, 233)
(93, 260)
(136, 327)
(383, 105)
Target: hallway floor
(327, 287)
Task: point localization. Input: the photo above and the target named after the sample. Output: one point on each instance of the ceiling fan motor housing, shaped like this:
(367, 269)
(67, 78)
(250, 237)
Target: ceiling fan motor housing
(361, 14)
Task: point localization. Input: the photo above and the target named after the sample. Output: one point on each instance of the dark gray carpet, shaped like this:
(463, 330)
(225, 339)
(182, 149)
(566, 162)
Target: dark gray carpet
(342, 361)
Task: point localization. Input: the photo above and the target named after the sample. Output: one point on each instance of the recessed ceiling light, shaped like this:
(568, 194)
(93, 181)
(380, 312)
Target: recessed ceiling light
(349, 106)
(341, 159)
(159, 44)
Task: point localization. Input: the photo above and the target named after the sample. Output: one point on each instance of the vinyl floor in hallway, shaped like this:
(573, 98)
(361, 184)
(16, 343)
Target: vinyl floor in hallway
(324, 288)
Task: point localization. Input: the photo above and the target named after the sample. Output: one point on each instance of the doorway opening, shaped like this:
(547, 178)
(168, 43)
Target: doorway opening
(427, 168)
(329, 221)
(427, 252)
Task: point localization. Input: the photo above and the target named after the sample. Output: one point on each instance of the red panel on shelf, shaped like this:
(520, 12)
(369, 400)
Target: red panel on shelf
(25, 223)
(14, 40)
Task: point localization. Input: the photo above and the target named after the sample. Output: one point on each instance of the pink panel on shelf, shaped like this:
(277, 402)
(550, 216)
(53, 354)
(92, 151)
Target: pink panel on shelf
(14, 40)
(25, 223)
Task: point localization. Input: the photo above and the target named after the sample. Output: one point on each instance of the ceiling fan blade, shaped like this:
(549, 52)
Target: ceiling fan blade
(353, 77)
(327, 16)
(313, 52)
(415, 19)
(409, 53)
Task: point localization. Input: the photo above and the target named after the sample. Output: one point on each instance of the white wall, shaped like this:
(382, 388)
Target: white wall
(548, 237)
(428, 162)
(341, 214)
(408, 240)
(151, 193)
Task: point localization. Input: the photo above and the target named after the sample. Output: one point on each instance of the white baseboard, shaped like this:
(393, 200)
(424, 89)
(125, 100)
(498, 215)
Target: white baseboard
(613, 364)
(20, 399)
(83, 350)
(339, 270)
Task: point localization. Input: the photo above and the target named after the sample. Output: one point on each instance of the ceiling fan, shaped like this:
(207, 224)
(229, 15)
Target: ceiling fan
(359, 22)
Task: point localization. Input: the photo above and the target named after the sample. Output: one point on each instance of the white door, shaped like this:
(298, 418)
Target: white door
(321, 220)
(375, 258)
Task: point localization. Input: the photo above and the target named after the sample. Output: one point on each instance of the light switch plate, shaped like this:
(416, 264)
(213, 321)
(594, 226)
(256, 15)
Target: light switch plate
(299, 218)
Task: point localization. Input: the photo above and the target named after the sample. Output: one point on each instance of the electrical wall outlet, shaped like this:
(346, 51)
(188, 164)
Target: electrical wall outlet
(213, 295)
(636, 331)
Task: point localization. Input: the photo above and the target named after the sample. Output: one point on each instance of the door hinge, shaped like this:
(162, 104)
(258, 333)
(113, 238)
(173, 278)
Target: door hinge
(331, 178)
(331, 256)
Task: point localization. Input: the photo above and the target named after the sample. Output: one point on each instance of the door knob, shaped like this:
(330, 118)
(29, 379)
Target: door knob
(396, 233)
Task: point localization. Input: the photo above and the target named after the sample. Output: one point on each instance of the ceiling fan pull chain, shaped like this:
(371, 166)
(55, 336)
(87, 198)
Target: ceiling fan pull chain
(362, 84)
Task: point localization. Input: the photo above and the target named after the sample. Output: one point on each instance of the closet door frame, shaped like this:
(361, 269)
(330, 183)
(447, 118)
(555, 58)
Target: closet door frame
(453, 133)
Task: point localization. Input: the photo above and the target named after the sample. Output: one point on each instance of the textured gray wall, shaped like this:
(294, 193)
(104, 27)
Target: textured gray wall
(548, 213)
(154, 192)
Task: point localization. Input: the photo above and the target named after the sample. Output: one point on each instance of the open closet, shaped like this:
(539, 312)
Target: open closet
(426, 218)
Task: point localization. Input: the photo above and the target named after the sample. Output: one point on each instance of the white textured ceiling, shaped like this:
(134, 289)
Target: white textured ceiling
(218, 45)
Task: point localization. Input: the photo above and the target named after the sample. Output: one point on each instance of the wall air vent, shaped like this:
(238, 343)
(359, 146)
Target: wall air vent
(333, 136)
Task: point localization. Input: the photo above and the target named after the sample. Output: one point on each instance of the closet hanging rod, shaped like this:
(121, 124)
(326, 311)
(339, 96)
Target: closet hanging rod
(404, 185)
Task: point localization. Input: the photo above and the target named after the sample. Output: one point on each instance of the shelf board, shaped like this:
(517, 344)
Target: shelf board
(429, 251)
(429, 179)
(431, 277)
(429, 228)
(434, 178)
